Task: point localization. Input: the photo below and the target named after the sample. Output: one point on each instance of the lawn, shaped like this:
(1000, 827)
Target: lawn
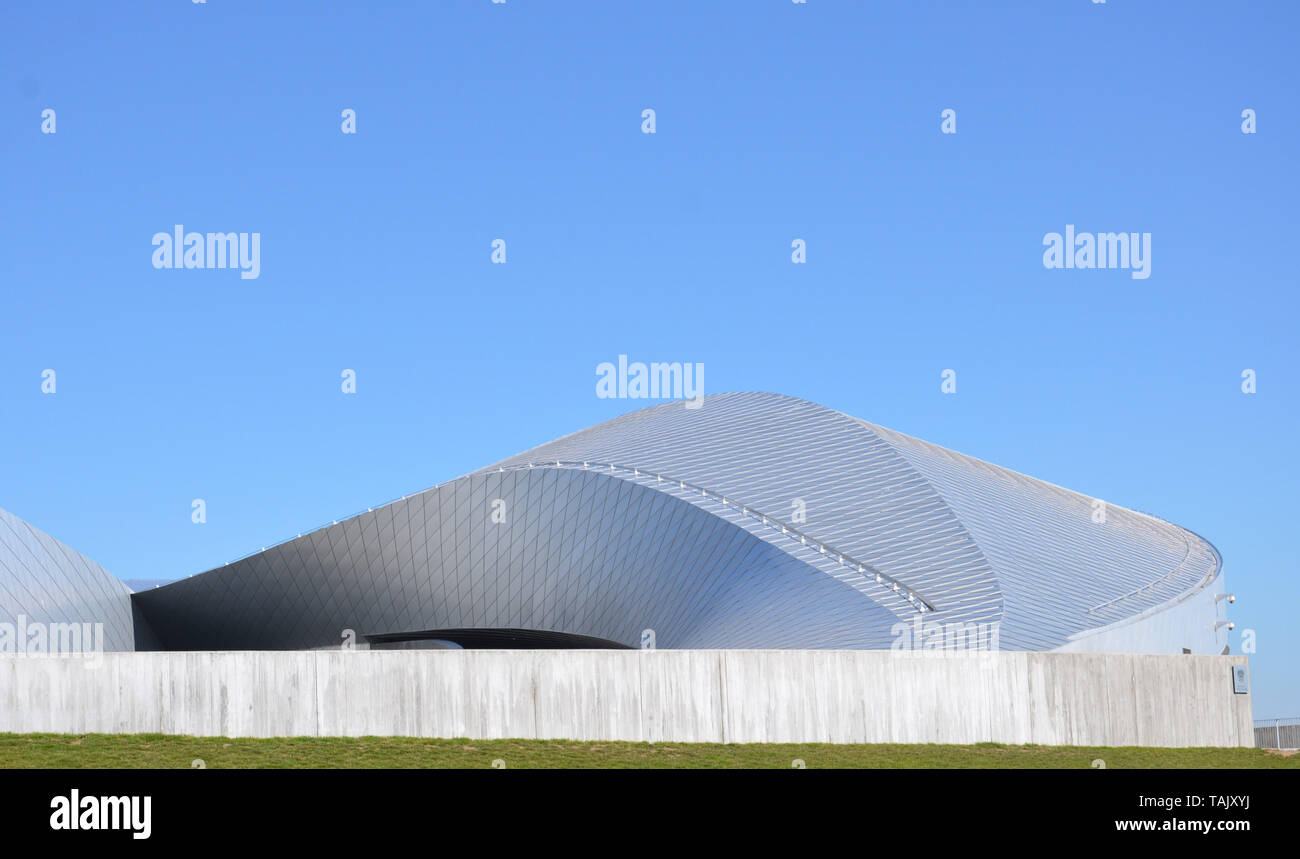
(45, 751)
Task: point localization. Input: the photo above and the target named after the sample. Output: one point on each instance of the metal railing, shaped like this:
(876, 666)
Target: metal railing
(914, 598)
(1277, 733)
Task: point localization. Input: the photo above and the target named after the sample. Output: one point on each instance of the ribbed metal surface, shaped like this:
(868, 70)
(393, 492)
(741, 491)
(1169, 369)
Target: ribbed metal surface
(47, 582)
(757, 520)
(979, 542)
(1060, 571)
(580, 551)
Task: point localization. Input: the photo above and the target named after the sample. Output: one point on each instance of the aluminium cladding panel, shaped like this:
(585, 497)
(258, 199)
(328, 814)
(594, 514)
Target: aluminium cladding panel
(1061, 571)
(734, 696)
(578, 552)
(980, 542)
(608, 555)
(810, 468)
(1196, 621)
(44, 581)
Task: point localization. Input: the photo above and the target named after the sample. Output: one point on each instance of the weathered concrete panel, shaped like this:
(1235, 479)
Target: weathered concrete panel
(737, 696)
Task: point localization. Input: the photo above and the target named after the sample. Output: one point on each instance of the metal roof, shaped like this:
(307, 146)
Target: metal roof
(975, 541)
(755, 520)
(47, 582)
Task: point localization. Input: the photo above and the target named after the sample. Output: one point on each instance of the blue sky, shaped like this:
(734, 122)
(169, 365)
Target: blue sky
(522, 121)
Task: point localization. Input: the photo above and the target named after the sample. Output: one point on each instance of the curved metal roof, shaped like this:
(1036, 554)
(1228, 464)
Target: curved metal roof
(974, 541)
(756, 520)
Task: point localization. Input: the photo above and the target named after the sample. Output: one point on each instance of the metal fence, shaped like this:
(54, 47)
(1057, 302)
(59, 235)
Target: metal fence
(1277, 733)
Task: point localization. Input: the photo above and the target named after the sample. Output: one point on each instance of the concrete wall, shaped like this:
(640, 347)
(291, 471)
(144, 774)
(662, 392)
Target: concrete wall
(667, 695)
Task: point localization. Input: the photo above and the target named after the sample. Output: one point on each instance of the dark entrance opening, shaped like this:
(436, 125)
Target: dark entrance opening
(489, 639)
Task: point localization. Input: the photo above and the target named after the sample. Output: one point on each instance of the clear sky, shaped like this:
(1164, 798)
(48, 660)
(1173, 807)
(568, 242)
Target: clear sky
(523, 121)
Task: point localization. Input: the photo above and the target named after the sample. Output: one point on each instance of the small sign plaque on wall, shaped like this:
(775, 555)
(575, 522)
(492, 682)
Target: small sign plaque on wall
(1240, 680)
